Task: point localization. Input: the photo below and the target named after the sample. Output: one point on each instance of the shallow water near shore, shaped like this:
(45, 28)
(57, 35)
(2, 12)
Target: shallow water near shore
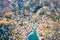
(33, 36)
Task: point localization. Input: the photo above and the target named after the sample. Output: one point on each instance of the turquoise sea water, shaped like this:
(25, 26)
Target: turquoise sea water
(33, 36)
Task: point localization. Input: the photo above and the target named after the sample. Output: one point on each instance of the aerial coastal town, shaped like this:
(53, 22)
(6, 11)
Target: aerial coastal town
(29, 19)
